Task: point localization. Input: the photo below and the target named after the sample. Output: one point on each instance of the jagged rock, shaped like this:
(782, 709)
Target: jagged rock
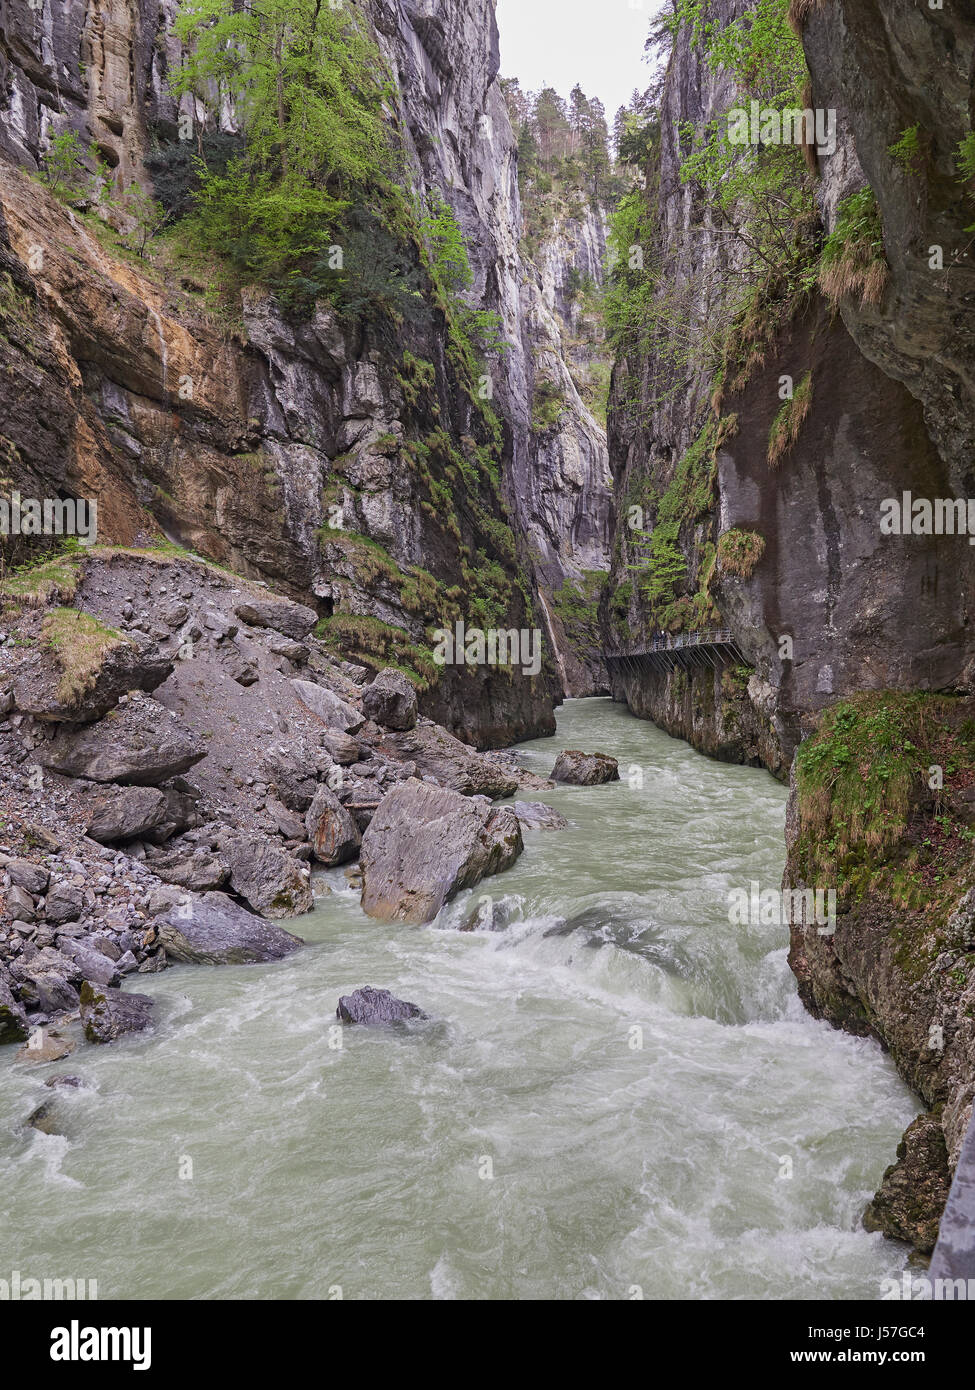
(45, 1045)
(911, 1199)
(92, 964)
(188, 866)
(536, 815)
(293, 619)
(214, 930)
(13, 1016)
(64, 903)
(585, 769)
(129, 813)
(453, 764)
(141, 742)
(336, 713)
(124, 667)
(108, 1014)
(294, 784)
(266, 876)
(425, 844)
(33, 878)
(343, 748)
(375, 1006)
(391, 701)
(20, 904)
(334, 835)
(44, 982)
(289, 823)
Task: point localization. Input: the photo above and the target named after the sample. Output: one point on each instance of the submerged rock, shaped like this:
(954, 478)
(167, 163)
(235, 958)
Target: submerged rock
(108, 1014)
(536, 815)
(375, 1006)
(214, 930)
(390, 701)
(426, 843)
(585, 769)
(45, 1045)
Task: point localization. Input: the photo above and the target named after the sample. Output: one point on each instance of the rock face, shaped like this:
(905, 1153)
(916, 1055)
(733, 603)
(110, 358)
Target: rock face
(141, 742)
(213, 930)
(585, 769)
(390, 701)
(914, 1190)
(375, 1006)
(425, 844)
(329, 416)
(13, 1017)
(108, 1014)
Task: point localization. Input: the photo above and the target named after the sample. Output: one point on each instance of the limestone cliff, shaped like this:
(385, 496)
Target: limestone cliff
(338, 466)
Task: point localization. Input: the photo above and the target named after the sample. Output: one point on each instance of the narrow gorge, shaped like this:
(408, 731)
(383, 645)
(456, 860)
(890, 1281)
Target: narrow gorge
(462, 548)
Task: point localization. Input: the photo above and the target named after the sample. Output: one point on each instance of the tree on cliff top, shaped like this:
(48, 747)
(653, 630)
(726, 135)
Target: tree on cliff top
(307, 86)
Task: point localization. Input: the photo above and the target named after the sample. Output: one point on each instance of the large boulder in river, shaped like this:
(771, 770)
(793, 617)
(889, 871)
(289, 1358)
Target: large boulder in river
(141, 742)
(426, 843)
(372, 1006)
(46, 982)
(585, 769)
(293, 619)
(453, 764)
(390, 701)
(42, 688)
(108, 1014)
(214, 930)
(265, 876)
(334, 835)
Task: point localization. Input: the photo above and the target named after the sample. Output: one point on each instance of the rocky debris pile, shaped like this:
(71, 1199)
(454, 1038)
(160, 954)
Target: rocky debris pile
(426, 843)
(213, 753)
(375, 1006)
(585, 769)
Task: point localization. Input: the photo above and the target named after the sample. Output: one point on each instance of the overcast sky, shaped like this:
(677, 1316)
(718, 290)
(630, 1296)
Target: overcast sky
(598, 43)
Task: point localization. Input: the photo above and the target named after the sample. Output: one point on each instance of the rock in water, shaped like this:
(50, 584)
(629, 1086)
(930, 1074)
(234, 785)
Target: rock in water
(368, 1005)
(585, 769)
(438, 754)
(213, 930)
(108, 1014)
(537, 815)
(266, 876)
(334, 835)
(390, 701)
(141, 742)
(912, 1196)
(426, 843)
(293, 619)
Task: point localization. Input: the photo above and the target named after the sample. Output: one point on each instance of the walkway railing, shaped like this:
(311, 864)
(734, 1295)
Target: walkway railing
(704, 646)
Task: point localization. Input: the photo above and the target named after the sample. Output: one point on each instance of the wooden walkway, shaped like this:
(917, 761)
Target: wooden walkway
(706, 647)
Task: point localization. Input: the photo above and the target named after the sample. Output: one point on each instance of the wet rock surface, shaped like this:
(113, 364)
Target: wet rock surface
(214, 930)
(585, 769)
(109, 1014)
(375, 1007)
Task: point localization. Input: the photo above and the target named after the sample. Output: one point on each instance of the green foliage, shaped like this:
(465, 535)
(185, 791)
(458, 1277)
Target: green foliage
(853, 259)
(148, 215)
(740, 551)
(909, 150)
(577, 604)
(548, 405)
(789, 421)
(308, 86)
(63, 165)
(478, 330)
(173, 167)
(966, 158)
